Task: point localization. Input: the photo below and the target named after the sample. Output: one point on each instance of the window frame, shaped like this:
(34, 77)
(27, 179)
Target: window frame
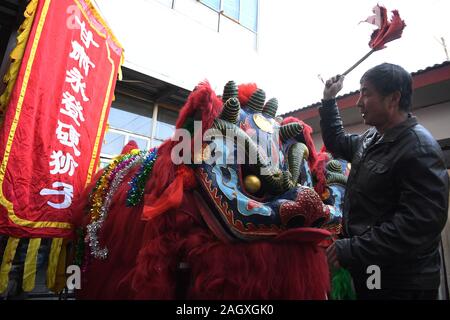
(222, 13)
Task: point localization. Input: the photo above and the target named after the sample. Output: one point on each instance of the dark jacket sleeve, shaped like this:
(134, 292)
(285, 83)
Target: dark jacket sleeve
(340, 144)
(418, 221)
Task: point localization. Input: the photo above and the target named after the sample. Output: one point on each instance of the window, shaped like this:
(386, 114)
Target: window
(165, 126)
(113, 143)
(132, 116)
(129, 119)
(243, 11)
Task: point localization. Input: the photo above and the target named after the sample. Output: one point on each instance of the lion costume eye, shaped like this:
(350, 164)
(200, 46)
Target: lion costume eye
(252, 183)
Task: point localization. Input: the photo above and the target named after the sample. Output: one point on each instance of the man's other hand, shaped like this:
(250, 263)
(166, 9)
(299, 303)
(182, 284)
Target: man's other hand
(333, 262)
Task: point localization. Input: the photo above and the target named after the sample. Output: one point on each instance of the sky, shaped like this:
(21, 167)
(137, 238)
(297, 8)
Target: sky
(297, 41)
(302, 39)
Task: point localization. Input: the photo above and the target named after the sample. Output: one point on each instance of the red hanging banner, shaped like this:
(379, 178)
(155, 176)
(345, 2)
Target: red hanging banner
(55, 119)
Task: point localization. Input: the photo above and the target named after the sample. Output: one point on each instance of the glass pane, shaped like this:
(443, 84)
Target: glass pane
(156, 143)
(142, 143)
(214, 4)
(165, 131)
(166, 123)
(126, 120)
(231, 8)
(132, 115)
(113, 143)
(249, 14)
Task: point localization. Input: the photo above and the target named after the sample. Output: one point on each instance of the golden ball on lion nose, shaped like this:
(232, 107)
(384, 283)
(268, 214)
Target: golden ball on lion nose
(252, 183)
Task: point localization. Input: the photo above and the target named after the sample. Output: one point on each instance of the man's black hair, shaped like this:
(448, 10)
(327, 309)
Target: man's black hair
(388, 78)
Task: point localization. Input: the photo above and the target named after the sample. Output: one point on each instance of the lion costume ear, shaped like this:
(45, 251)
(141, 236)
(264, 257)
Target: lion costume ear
(307, 134)
(166, 185)
(130, 146)
(202, 105)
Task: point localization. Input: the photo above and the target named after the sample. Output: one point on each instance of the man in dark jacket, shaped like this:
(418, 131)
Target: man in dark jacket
(396, 200)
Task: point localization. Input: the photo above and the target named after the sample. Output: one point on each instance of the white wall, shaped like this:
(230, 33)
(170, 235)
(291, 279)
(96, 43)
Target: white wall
(436, 119)
(182, 45)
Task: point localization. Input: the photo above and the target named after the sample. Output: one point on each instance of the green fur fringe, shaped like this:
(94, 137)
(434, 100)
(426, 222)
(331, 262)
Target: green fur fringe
(341, 285)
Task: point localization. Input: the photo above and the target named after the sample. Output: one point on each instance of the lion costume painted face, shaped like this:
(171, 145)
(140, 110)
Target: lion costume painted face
(255, 171)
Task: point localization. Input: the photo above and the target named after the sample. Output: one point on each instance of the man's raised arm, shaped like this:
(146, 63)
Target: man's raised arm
(336, 141)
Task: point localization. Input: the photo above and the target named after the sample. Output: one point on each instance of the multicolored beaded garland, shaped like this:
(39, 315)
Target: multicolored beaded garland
(137, 183)
(106, 187)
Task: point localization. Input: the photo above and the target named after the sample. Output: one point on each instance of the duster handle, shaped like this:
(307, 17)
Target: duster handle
(359, 62)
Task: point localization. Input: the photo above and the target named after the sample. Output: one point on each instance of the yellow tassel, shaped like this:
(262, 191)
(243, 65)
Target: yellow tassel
(53, 262)
(106, 130)
(17, 53)
(8, 257)
(60, 281)
(120, 73)
(122, 60)
(29, 272)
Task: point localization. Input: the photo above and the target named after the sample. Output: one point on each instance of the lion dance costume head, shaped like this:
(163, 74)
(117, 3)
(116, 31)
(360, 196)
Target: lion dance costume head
(239, 208)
